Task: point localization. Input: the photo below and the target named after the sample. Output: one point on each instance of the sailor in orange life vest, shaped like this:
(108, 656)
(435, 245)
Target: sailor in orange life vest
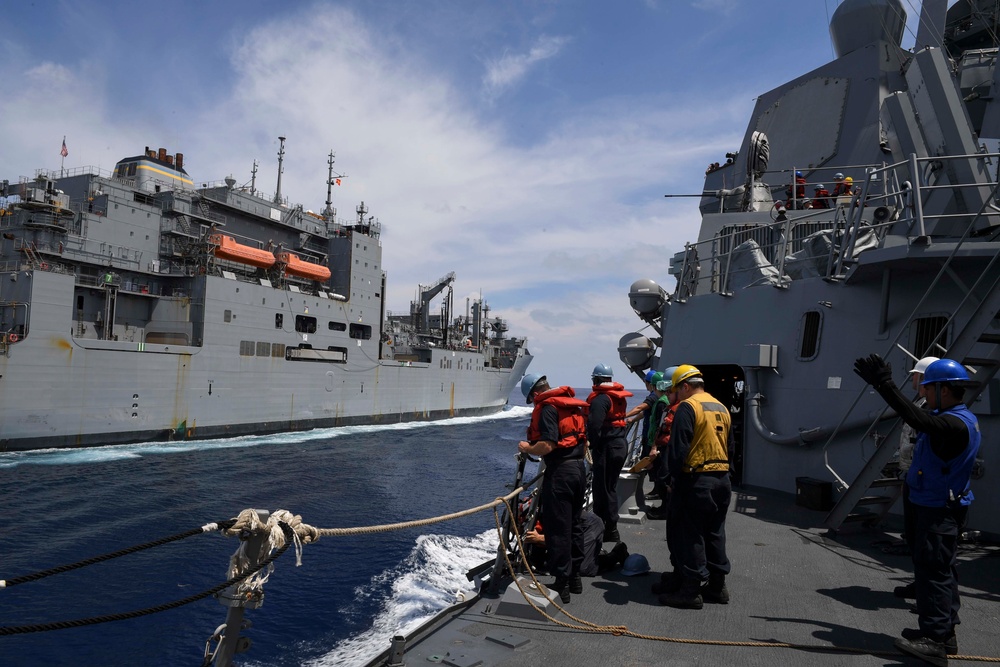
(699, 451)
(557, 433)
(606, 431)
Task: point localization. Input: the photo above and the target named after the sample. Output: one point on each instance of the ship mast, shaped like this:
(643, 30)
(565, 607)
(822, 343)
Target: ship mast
(329, 212)
(281, 159)
(253, 178)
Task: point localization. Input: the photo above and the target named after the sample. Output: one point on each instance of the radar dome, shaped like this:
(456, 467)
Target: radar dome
(858, 23)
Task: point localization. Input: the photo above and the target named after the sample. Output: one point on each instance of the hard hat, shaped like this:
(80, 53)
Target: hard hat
(922, 365)
(635, 564)
(838, 176)
(820, 187)
(528, 383)
(657, 377)
(798, 174)
(848, 180)
(685, 372)
(648, 377)
(945, 370)
(602, 371)
(667, 383)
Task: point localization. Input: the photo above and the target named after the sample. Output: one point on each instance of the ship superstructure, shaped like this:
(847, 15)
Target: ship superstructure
(788, 282)
(142, 305)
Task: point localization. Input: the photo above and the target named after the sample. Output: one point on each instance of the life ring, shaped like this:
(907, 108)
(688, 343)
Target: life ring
(13, 338)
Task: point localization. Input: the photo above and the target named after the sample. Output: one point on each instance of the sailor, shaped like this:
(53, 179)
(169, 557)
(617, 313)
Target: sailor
(700, 448)
(821, 197)
(557, 433)
(940, 494)
(841, 186)
(645, 409)
(796, 194)
(606, 432)
(658, 435)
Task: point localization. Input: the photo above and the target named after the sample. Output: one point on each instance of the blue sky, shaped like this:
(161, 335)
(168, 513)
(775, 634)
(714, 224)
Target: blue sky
(525, 145)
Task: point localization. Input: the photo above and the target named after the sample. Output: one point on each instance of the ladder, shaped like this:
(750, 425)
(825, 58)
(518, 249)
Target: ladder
(858, 504)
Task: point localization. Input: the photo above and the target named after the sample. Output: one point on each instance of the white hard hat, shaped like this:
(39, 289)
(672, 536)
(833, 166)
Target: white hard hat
(923, 364)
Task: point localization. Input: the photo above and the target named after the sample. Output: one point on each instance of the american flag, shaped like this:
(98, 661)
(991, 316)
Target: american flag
(64, 152)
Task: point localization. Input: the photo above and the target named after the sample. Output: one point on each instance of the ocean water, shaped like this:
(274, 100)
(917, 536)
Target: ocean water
(350, 595)
(341, 607)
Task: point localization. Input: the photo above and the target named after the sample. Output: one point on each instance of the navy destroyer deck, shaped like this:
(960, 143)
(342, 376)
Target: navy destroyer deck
(829, 596)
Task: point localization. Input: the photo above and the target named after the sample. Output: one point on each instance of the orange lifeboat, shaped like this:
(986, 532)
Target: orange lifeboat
(299, 267)
(228, 248)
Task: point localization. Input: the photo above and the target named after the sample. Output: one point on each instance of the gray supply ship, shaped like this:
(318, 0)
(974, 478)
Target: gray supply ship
(788, 283)
(135, 306)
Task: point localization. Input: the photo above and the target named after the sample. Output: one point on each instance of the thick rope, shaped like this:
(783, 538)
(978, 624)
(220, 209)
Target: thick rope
(77, 623)
(207, 528)
(623, 631)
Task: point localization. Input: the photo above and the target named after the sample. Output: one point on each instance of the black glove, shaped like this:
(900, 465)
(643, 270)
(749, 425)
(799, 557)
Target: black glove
(873, 370)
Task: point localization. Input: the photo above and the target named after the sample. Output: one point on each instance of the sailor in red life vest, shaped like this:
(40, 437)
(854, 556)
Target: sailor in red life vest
(797, 198)
(606, 431)
(557, 433)
(821, 197)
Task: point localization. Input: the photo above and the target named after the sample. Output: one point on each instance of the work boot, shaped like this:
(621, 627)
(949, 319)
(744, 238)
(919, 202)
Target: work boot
(688, 596)
(611, 533)
(575, 584)
(715, 590)
(670, 582)
(562, 586)
(950, 642)
(924, 648)
(907, 591)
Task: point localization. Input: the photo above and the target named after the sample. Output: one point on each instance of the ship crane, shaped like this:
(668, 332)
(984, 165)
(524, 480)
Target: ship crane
(419, 310)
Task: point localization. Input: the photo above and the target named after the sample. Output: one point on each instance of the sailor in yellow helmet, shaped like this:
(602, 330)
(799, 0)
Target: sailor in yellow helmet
(700, 448)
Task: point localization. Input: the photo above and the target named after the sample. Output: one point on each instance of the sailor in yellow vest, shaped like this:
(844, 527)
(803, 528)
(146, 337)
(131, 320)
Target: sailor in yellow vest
(700, 448)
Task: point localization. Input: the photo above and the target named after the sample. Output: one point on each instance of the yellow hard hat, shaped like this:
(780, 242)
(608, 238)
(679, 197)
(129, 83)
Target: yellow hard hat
(848, 180)
(684, 372)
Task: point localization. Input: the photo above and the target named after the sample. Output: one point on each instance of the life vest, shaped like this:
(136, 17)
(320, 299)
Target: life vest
(619, 406)
(572, 417)
(662, 436)
(709, 446)
(935, 483)
(841, 189)
(821, 199)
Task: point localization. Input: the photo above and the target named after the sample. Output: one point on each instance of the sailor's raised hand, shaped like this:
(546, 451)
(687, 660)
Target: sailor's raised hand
(873, 370)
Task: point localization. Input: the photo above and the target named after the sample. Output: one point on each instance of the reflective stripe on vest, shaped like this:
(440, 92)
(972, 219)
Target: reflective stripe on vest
(709, 451)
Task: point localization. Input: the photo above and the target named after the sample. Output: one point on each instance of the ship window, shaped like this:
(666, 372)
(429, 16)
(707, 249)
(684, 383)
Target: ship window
(278, 350)
(305, 324)
(337, 326)
(131, 169)
(79, 302)
(361, 331)
(924, 335)
(263, 349)
(279, 320)
(247, 348)
(809, 342)
(227, 316)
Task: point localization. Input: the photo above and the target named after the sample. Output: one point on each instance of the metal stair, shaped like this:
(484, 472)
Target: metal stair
(857, 504)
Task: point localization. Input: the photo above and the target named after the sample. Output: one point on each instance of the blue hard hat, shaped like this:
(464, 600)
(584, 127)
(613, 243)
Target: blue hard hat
(798, 174)
(648, 377)
(528, 383)
(945, 370)
(602, 371)
(635, 564)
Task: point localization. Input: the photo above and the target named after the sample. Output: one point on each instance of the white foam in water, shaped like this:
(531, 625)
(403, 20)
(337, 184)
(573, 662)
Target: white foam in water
(430, 579)
(84, 455)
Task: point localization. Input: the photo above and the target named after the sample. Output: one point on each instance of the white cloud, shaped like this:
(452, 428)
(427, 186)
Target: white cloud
(509, 69)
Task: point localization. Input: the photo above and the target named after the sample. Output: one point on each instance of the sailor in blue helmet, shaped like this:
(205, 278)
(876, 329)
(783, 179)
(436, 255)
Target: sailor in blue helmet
(558, 433)
(940, 493)
(606, 431)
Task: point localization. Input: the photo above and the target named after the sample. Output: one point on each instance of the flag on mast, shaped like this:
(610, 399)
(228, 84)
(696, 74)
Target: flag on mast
(64, 152)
